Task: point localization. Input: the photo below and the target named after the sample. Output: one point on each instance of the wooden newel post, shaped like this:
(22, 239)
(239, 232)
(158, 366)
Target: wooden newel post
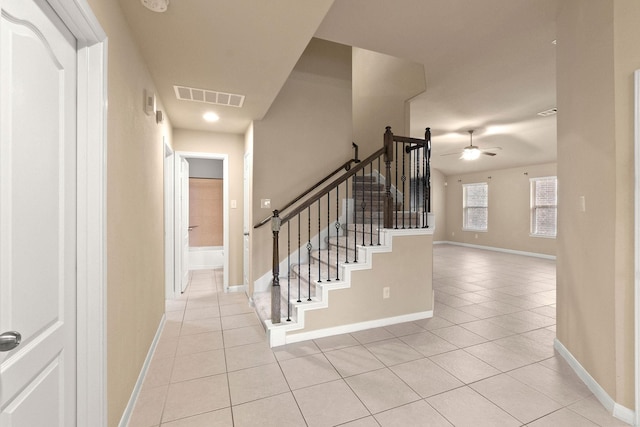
(388, 158)
(275, 287)
(427, 189)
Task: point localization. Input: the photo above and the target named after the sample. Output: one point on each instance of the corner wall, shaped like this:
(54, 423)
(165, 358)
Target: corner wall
(306, 134)
(438, 204)
(509, 209)
(597, 55)
(382, 87)
(135, 224)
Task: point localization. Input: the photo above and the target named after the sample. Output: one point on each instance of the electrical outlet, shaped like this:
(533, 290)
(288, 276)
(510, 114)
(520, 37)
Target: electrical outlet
(386, 292)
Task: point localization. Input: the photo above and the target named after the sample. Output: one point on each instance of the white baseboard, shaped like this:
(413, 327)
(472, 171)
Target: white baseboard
(206, 257)
(126, 416)
(237, 288)
(492, 248)
(618, 411)
(345, 329)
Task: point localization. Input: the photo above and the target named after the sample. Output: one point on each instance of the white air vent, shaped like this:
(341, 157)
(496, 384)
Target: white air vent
(549, 112)
(208, 96)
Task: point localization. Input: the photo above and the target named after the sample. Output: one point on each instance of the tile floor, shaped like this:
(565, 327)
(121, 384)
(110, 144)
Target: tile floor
(485, 359)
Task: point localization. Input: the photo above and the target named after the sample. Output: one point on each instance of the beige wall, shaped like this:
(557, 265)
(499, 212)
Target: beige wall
(233, 146)
(409, 280)
(439, 204)
(509, 210)
(135, 246)
(382, 85)
(306, 134)
(595, 271)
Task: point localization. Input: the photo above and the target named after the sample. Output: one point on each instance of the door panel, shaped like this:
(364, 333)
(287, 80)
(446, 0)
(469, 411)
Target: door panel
(37, 215)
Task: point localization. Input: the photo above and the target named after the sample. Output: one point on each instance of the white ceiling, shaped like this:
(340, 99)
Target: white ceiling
(489, 64)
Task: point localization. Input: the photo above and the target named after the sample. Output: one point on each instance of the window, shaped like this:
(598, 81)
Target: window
(544, 206)
(475, 206)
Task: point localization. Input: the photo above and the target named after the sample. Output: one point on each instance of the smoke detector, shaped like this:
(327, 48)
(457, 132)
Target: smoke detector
(156, 5)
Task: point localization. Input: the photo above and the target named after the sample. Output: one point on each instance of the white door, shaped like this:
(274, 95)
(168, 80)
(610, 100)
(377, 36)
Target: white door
(37, 216)
(184, 222)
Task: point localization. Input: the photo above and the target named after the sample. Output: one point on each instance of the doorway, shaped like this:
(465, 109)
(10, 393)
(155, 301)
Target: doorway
(206, 225)
(179, 244)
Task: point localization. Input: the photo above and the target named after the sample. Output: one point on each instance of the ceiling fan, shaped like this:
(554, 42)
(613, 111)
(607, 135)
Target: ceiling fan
(473, 152)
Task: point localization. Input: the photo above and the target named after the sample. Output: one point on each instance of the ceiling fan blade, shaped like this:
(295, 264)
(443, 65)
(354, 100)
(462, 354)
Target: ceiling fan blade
(487, 153)
(451, 154)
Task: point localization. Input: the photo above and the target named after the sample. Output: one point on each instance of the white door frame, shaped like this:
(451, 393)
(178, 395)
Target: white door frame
(246, 222)
(637, 244)
(169, 223)
(225, 208)
(91, 211)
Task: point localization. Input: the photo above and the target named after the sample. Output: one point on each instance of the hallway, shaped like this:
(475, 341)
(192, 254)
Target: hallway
(486, 358)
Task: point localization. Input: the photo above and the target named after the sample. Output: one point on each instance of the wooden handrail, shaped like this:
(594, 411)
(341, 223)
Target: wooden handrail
(331, 186)
(346, 166)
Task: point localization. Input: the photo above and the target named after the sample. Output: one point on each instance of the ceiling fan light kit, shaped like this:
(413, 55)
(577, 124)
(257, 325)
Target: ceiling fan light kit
(471, 152)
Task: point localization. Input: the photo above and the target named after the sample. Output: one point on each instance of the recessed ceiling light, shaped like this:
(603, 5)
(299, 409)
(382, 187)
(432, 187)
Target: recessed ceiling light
(211, 117)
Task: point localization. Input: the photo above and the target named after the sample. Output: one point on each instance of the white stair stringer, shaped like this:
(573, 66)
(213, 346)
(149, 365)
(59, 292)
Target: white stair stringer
(280, 334)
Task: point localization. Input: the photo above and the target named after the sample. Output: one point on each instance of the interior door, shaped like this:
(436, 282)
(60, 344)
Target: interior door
(37, 217)
(184, 221)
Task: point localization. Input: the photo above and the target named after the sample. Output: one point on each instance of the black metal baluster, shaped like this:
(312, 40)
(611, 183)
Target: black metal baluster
(425, 183)
(380, 208)
(417, 188)
(371, 204)
(355, 221)
(299, 265)
(328, 235)
(404, 178)
(319, 243)
(397, 185)
(363, 204)
(309, 247)
(346, 218)
(289, 271)
(410, 154)
(337, 233)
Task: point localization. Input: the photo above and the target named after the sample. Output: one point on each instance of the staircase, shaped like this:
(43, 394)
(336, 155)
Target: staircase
(309, 283)
(358, 242)
(323, 264)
